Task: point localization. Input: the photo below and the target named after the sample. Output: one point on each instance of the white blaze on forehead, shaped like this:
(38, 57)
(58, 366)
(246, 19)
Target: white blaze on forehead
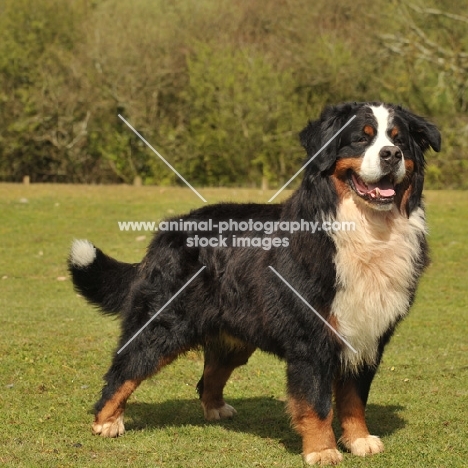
(371, 170)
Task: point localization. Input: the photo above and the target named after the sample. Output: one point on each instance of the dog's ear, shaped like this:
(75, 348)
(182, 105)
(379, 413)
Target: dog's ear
(424, 133)
(311, 140)
(323, 132)
(313, 137)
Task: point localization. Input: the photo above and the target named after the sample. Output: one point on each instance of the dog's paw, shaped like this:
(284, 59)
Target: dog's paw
(214, 414)
(366, 446)
(324, 457)
(113, 427)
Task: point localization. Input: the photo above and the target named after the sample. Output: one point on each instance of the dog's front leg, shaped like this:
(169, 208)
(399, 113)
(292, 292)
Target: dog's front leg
(351, 397)
(310, 406)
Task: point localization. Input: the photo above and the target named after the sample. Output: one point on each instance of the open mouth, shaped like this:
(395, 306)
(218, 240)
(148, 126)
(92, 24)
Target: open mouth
(380, 192)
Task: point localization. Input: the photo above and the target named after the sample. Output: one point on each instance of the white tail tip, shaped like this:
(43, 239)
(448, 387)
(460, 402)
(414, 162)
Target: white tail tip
(82, 253)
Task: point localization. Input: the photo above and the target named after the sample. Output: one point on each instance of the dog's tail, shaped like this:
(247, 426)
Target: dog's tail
(102, 280)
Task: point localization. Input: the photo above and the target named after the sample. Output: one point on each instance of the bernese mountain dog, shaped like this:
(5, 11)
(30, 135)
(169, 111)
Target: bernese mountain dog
(326, 302)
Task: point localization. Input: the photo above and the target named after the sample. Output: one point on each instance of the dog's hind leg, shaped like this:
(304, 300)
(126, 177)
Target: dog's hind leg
(110, 410)
(127, 371)
(222, 355)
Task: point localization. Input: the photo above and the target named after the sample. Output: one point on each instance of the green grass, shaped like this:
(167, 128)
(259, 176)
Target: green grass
(54, 350)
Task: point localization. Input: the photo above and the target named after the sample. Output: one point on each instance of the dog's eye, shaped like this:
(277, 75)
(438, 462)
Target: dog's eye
(360, 139)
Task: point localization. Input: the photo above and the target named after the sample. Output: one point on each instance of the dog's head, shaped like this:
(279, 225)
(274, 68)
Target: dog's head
(378, 158)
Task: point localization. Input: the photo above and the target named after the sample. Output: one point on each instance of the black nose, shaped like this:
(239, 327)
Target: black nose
(390, 155)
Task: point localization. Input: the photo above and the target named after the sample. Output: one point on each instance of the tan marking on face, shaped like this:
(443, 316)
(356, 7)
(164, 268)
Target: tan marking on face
(406, 192)
(369, 130)
(409, 166)
(403, 190)
(342, 188)
(342, 166)
(340, 175)
(394, 132)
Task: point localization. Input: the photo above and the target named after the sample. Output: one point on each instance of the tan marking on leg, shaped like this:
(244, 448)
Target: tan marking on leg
(318, 440)
(215, 377)
(109, 421)
(214, 380)
(351, 413)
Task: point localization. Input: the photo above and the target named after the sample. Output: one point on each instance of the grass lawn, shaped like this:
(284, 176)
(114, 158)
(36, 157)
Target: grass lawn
(54, 350)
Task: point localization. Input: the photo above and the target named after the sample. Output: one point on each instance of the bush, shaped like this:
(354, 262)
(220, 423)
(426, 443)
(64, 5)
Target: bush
(221, 89)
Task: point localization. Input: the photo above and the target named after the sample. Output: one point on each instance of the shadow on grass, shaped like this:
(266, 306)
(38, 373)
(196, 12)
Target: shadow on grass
(261, 416)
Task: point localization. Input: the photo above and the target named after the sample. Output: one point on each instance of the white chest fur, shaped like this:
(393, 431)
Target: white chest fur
(375, 275)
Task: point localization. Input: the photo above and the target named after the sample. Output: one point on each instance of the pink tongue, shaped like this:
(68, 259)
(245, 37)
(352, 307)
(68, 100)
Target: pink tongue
(385, 189)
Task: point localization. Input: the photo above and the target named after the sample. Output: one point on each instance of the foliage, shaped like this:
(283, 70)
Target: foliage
(221, 89)
(241, 120)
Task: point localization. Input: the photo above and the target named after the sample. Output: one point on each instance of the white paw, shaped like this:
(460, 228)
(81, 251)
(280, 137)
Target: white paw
(366, 446)
(113, 428)
(214, 414)
(324, 457)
